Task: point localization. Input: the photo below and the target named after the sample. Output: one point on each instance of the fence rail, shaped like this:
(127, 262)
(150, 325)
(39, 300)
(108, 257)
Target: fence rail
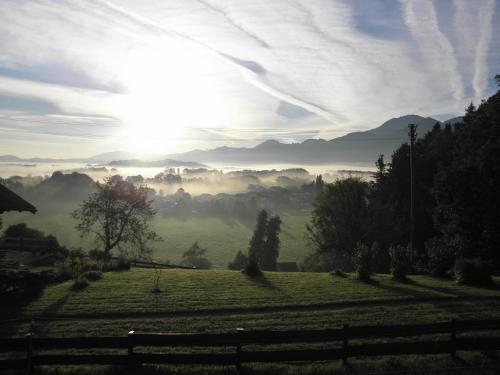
(25, 244)
(134, 344)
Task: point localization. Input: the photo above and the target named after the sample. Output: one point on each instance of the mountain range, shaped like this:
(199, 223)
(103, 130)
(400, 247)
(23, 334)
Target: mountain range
(358, 147)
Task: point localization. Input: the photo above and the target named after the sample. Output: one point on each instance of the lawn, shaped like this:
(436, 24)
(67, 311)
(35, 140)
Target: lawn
(222, 238)
(129, 292)
(221, 301)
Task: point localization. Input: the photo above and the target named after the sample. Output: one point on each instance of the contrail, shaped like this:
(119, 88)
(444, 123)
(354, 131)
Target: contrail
(422, 21)
(480, 80)
(251, 76)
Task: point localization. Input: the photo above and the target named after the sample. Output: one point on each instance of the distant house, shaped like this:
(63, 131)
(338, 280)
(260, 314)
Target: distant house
(10, 201)
(287, 267)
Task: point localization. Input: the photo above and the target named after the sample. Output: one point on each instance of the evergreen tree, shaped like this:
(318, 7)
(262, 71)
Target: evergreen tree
(258, 240)
(270, 251)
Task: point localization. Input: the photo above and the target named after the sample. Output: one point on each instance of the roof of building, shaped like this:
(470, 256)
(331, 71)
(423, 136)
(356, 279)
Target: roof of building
(10, 201)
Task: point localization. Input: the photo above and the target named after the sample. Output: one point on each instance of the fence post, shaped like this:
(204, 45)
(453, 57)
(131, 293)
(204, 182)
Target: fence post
(29, 349)
(345, 342)
(131, 346)
(453, 337)
(238, 349)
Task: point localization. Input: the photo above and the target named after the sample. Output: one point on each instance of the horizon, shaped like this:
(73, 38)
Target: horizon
(162, 78)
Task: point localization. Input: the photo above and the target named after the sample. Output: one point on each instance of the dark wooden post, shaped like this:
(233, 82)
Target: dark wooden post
(345, 342)
(453, 337)
(29, 350)
(238, 349)
(131, 346)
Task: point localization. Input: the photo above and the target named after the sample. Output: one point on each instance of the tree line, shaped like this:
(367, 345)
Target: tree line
(457, 176)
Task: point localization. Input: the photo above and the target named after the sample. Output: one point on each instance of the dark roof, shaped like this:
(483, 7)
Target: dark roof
(10, 201)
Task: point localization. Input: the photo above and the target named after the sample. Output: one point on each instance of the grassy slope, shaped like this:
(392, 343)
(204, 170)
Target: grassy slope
(129, 292)
(222, 238)
(124, 292)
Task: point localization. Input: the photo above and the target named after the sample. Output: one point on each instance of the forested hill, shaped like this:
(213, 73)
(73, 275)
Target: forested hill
(358, 147)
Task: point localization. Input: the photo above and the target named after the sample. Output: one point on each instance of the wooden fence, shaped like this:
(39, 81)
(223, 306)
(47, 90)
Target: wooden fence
(25, 244)
(134, 344)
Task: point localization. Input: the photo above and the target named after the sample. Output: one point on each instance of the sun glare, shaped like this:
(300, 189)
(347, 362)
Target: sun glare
(168, 93)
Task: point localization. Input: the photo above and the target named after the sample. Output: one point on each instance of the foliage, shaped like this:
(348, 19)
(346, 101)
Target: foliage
(193, 257)
(473, 271)
(80, 283)
(264, 245)
(400, 262)
(381, 260)
(18, 283)
(339, 220)
(92, 275)
(441, 257)
(270, 253)
(362, 261)
(118, 214)
(21, 230)
(252, 268)
(318, 262)
(239, 262)
(258, 240)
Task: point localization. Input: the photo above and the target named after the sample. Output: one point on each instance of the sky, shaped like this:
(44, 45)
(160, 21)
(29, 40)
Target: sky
(79, 78)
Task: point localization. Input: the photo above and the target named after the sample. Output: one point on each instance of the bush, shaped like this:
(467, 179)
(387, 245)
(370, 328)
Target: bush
(338, 272)
(400, 262)
(381, 260)
(120, 264)
(441, 257)
(19, 283)
(473, 271)
(318, 262)
(92, 275)
(252, 268)
(80, 283)
(240, 261)
(362, 261)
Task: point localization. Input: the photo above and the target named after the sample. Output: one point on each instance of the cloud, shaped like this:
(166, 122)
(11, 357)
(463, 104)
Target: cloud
(228, 66)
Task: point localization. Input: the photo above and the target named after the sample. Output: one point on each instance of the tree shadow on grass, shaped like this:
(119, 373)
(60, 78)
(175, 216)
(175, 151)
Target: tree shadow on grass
(261, 281)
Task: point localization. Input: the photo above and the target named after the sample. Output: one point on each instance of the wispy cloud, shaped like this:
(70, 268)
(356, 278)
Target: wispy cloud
(227, 66)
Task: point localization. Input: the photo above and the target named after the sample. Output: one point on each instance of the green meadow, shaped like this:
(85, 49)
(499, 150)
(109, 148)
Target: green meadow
(221, 237)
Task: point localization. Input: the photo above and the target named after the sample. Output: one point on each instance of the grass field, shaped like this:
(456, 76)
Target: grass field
(221, 301)
(221, 238)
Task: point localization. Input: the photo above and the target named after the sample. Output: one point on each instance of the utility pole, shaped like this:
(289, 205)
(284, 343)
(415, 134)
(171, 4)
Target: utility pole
(412, 132)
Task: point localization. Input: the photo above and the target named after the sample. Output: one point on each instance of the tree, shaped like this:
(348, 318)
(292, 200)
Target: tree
(362, 261)
(118, 214)
(21, 230)
(239, 262)
(270, 252)
(258, 239)
(339, 220)
(193, 257)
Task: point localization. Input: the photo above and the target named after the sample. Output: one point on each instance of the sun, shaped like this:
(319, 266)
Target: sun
(168, 92)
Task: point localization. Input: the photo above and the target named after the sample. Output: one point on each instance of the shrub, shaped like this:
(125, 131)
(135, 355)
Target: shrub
(239, 262)
(120, 264)
(400, 262)
(362, 261)
(473, 271)
(252, 268)
(318, 262)
(338, 272)
(92, 275)
(381, 260)
(80, 283)
(441, 257)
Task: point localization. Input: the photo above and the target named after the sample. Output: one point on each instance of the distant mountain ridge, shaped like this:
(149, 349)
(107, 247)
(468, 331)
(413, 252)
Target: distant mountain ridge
(358, 147)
